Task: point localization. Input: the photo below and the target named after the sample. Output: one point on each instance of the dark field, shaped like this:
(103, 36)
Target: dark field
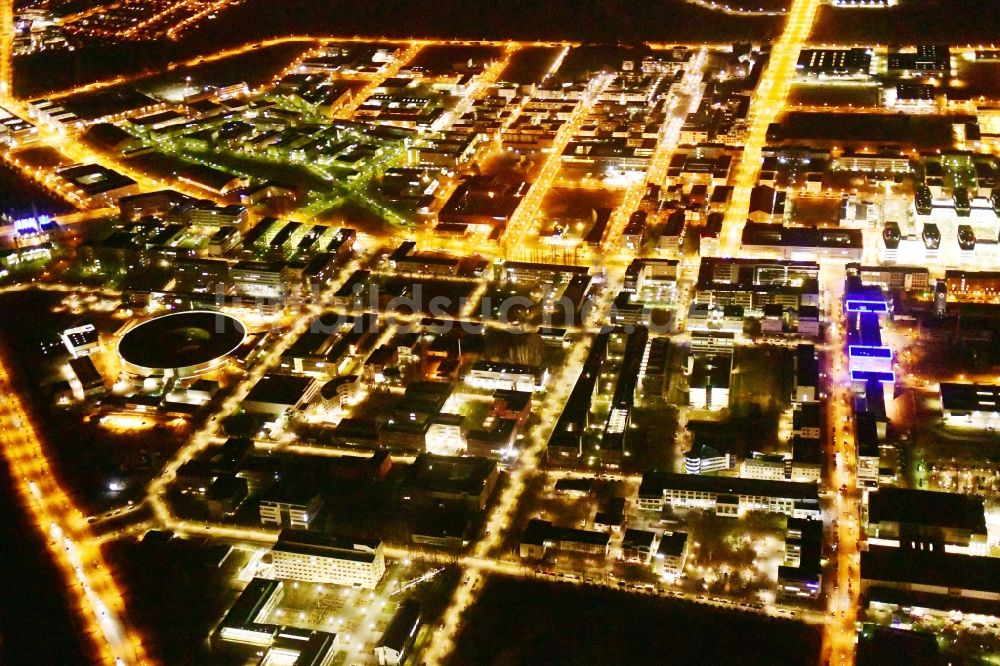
(175, 594)
(601, 21)
(922, 131)
(37, 625)
(911, 22)
(613, 21)
(22, 198)
(530, 64)
(442, 59)
(530, 622)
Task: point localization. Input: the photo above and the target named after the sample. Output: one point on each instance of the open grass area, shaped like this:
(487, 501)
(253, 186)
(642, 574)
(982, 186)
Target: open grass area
(529, 622)
(176, 594)
(909, 22)
(761, 376)
(810, 94)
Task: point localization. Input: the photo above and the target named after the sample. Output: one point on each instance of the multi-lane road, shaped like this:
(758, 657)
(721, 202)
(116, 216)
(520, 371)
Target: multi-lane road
(839, 637)
(74, 547)
(768, 101)
(90, 585)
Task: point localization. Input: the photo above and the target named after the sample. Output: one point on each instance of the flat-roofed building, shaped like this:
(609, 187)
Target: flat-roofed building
(245, 629)
(795, 242)
(638, 546)
(834, 63)
(566, 443)
(927, 520)
(405, 259)
(206, 213)
(970, 404)
(709, 380)
(806, 374)
(397, 640)
(81, 340)
(801, 572)
(99, 183)
(926, 59)
(314, 557)
(212, 180)
(807, 459)
(260, 279)
(866, 430)
(536, 273)
(91, 380)
(807, 420)
(672, 553)
(754, 283)
(915, 278)
(290, 505)
(446, 434)
(541, 535)
(954, 579)
(466, 480)
(494, 375)
(727, 496)
(275, 394)
(761, 466)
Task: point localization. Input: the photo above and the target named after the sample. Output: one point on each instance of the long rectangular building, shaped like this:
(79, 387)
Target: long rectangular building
(245, 630)
(953, 577)
(754, 283)
(540, 535)
(620, 414)
(791, 242)
(728, 496)
(971, 404)
(906, 518)
(313, 557)
(566, 442)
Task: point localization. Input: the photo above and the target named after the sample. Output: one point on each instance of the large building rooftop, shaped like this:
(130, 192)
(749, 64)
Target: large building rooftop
(925, 507)
(319, 544)
(655, 483)
(931, 567)
(970, 397)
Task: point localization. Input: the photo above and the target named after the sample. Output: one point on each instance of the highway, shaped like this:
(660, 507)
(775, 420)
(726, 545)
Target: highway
(90, 585)
(839, 635)
(6, 48)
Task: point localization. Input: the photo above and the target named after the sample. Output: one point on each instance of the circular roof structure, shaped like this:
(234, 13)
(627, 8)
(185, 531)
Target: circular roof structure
(181, 343)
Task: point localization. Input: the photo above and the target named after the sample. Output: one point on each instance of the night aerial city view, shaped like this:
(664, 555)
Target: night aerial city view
(564, 332)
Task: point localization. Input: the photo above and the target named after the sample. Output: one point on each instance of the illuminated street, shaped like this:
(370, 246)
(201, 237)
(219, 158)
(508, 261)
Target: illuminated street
(330, 348)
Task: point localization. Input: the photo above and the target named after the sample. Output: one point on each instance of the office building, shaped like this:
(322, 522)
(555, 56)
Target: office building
(397, 640)
(245, 630)
(289, 504)
(671, 554)
(313, 557)
(494, 376)
(727, 496)
(541, 535)
(926, 520)
(971, 404)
